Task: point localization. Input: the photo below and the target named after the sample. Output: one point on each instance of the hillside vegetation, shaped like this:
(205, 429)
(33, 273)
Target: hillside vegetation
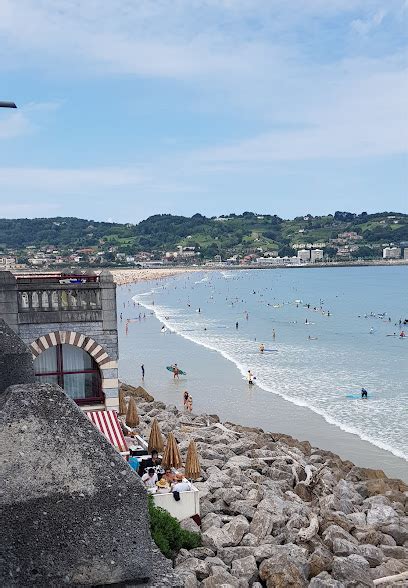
(227, 235)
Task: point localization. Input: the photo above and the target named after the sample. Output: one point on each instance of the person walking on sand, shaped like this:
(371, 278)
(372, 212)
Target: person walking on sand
(185, 399)
(143, 371)
(250, 377)
(189, 405)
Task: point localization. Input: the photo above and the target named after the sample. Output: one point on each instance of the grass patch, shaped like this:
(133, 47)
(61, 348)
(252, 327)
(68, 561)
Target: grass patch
(168, 534)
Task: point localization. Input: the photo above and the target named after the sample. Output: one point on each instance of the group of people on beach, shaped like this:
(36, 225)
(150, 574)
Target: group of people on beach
(156, 479)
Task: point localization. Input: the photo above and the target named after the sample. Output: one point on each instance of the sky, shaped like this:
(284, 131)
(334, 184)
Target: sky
(137, 107)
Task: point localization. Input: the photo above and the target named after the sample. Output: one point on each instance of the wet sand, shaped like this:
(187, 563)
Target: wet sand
(217, 387)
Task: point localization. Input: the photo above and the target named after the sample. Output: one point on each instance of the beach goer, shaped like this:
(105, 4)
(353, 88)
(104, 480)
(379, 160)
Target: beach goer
(168, 475)
(273, 334)
(176, 372)
(364, 393)
(250, 377)
(163, 486)
(150, 478)
(181, 484)
(402, 334)
(189, 404)
(236, 325)
(133, 462)
(143, 371)
(121, 316)
(185, 398)
(262, 348)
(151, 462)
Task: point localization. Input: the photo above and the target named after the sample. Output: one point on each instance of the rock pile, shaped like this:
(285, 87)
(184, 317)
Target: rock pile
(277, 512)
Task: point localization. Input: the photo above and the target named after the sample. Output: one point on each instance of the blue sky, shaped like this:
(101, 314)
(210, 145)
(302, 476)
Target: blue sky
(133, 108)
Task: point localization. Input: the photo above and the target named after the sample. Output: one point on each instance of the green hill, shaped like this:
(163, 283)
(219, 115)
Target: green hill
(226, 235)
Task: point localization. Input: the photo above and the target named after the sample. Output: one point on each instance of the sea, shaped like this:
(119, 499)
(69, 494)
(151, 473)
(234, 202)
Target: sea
(327, 333)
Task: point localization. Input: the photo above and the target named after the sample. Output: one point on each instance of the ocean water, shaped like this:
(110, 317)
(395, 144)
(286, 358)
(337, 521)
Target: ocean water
(352, 313)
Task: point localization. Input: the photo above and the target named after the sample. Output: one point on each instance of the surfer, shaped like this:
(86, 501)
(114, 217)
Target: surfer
(364, 393)
(143, 371)
(262, 348)
(176, 372)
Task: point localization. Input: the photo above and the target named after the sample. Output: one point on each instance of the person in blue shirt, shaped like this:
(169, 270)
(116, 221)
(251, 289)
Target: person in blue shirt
(133, 462)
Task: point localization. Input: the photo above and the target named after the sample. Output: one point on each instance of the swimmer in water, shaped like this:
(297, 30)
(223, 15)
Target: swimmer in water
(262, 348)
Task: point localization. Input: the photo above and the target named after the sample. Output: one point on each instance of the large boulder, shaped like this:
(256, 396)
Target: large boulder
(72, 510)
(262, 523)
(245, 568)
(288, 566)
(215, 538)
(353, 570)
(324, 580)
(200, 568)
(236, 529)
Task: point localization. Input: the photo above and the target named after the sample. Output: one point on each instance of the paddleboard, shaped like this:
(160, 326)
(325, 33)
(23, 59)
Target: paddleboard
(169, 368)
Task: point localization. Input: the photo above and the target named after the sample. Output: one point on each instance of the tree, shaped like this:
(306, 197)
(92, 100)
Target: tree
(286, 251)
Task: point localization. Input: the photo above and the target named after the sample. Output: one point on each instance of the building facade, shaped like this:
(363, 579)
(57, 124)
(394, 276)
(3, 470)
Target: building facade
(303, 255)
(391, 252)
(316, 255)
(69, 324)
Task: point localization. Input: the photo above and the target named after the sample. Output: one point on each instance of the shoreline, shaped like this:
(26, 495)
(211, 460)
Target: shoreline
(130, 275)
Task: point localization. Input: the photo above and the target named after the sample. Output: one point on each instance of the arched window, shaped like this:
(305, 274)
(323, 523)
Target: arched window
(73, 369)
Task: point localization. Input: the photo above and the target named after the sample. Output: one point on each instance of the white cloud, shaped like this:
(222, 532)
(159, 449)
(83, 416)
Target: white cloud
(365, 26)
(13, 125)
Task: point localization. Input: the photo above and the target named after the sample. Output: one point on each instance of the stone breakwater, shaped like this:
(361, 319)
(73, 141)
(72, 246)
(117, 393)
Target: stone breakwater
(277, 512)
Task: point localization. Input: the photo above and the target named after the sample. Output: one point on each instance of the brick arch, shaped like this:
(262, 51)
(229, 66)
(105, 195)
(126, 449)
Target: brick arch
(71, 338)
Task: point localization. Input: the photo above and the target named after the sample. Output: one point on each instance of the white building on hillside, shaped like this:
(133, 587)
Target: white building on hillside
(316, 255)
(304, 255)
(391, 253)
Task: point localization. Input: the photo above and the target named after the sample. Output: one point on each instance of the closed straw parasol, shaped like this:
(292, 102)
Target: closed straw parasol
(193, 469)
(155, 437)
(171, 455)
(132, 418)
(122, 403)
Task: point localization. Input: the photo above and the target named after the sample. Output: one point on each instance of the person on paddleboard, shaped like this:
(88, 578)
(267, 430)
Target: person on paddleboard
(364, 393)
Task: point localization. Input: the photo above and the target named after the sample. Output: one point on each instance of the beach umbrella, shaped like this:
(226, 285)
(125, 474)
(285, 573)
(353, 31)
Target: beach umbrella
(132, 418)
(193, 469)
(171, 455)
(122, 403)
(155, 437)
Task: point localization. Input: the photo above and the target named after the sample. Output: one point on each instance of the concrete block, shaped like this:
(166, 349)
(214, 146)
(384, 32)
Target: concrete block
(72, 511)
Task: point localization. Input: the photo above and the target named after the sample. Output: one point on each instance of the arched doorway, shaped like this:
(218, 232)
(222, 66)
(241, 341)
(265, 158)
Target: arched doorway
(72, 368)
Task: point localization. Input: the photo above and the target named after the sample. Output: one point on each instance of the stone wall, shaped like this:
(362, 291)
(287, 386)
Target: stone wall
(18, 308)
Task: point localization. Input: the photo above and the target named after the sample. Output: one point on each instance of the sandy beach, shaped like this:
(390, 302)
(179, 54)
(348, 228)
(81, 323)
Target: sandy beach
(131, 276)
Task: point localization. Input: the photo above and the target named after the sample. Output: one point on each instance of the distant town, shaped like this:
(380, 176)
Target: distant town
(242, 240)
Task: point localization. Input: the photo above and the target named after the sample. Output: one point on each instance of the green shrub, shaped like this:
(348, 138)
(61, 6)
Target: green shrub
(167, 532)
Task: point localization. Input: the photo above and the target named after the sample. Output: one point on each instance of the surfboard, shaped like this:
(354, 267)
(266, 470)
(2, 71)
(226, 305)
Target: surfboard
(169, 368)
(270, 350)
(358, 396)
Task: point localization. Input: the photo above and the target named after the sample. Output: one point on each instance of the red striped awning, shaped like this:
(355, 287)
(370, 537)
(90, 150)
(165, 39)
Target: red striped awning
(107, 422)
